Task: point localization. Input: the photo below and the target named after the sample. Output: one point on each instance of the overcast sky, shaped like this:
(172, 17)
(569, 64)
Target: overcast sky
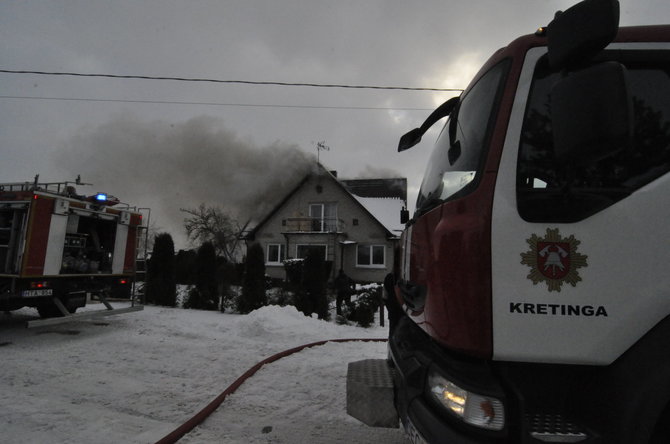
(222, 143)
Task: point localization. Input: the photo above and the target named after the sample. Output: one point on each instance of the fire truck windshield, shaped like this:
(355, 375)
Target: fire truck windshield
(457, 159)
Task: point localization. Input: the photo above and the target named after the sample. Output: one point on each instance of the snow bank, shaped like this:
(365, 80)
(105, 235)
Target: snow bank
(291, 327)
(270, 321)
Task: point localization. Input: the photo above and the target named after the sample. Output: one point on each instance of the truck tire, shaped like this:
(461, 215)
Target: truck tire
(661, 433)
(48, 309)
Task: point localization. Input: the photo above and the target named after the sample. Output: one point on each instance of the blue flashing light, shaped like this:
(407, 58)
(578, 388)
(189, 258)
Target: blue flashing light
(101, 197)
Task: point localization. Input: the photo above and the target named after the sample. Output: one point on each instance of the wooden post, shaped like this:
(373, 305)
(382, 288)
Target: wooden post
(380, 298)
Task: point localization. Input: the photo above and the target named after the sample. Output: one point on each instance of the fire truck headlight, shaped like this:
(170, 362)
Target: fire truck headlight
(478, 410)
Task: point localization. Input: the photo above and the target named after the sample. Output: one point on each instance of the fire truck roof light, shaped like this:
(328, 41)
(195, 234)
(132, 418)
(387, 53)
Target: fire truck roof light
(101, 196)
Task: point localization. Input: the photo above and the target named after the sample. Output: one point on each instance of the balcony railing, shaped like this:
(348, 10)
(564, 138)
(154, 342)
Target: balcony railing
(313, 225)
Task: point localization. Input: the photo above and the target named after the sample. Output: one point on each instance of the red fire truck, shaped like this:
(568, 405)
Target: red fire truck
(533, 288)
(59, 248)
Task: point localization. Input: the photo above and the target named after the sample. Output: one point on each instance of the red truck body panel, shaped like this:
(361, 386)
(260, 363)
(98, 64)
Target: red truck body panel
(37, 237)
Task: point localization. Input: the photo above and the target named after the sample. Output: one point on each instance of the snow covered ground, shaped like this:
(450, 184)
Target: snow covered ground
(135, 377)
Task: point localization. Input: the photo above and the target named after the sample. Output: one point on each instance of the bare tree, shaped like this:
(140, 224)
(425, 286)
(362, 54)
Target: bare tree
(213, 224)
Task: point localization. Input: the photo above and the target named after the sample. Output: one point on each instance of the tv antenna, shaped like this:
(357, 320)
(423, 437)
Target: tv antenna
(321, 146)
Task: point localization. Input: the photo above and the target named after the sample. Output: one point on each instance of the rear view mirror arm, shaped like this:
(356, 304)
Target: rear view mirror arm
(413, 137)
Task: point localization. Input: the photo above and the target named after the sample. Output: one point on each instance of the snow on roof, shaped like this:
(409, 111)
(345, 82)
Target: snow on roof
(396, 187)
(386, 210)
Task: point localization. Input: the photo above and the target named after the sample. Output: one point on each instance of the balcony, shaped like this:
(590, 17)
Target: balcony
(313, 225)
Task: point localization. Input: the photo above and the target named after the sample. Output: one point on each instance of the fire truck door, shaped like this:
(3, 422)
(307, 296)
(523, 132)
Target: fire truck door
(119, 248)
(54, 254)
(578, 276)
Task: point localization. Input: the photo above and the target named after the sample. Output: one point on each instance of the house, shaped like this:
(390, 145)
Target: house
(354, 223)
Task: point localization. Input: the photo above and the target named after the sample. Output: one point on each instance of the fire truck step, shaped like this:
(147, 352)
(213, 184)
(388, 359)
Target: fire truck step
(370, 393)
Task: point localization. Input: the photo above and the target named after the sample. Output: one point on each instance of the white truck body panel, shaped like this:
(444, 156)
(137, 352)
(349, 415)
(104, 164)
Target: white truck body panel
(627, 293)
(54, 255)
(119, 248)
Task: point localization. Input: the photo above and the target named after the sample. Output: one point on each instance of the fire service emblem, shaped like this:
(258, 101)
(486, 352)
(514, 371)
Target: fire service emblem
(553, 259)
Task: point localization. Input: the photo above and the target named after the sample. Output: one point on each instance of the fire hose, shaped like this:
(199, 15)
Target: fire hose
(199, 417)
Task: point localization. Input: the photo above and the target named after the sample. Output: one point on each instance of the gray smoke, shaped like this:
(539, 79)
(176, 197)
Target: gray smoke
(371, 172)
(167, 166)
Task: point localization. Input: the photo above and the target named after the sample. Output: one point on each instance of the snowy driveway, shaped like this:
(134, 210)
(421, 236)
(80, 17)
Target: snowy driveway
(135, 377)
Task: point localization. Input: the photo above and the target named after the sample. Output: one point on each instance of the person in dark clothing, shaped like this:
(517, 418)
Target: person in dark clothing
(342, 285)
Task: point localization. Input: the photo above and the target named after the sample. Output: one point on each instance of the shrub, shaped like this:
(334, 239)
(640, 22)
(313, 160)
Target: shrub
(294, 272)
(205, 295)
(253, 289)
(314, 284)
(293, 269)
(363, 309)
(226, 275)
(161, 288)
(185, 268)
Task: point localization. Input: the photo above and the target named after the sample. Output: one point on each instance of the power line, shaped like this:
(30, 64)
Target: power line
(249, 105)
(243, 82)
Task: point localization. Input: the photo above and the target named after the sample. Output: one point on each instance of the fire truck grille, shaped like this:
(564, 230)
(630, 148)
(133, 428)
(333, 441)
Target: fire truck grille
(554, 428)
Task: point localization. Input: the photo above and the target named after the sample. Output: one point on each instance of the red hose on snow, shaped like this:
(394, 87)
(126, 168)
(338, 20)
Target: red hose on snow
(199, 417)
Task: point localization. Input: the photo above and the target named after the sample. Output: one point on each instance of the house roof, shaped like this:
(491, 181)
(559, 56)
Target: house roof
(377, 188)
(383, 198)
(380, 198)
(385, 209)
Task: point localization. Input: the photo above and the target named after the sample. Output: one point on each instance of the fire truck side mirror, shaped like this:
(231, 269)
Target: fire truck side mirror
(591, 105)
(413, 137)
(404, 216)
(579, 33)
(410, 139)
(592, 113)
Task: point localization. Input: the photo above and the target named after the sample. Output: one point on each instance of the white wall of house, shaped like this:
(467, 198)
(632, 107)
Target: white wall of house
(289, 229)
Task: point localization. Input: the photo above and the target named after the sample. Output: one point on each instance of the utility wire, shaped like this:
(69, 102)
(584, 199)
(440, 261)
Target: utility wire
(250, 105)
(243, 82)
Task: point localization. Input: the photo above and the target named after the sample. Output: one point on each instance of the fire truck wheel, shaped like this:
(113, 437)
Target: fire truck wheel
(662, 430)
(49, 310)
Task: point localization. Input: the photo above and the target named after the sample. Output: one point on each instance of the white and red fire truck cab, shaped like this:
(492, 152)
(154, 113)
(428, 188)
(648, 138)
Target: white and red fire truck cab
(533, 281)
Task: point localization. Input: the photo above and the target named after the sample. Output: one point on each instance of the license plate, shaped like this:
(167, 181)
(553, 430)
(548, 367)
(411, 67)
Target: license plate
(37, 293)
(413, 434)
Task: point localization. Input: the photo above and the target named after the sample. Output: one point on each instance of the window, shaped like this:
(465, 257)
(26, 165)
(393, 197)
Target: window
(457, 159)
(324, 216)
(276, 254)
(371, 256)
(302, 251)
(549, 190)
